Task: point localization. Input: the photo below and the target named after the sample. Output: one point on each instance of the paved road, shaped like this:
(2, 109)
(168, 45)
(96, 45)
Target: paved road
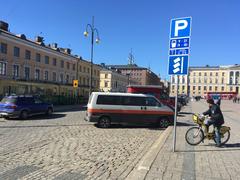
(64, 146)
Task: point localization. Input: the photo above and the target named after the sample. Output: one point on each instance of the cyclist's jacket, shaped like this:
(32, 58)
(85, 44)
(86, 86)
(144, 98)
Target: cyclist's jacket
(216, 115)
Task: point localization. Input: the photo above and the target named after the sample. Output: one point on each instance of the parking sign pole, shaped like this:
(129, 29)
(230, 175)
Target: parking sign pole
(175, 117)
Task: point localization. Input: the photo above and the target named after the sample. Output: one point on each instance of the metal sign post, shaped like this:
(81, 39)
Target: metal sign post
(175, 118)
(179, 50)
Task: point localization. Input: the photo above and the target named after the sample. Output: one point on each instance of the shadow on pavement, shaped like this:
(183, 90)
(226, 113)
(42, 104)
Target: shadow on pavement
(131, 126)
(70, 109)
(185, 113)
(185, 124)
(39, 126)
(41, 117)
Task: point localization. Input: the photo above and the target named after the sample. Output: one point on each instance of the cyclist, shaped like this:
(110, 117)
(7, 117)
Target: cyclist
(216, 119)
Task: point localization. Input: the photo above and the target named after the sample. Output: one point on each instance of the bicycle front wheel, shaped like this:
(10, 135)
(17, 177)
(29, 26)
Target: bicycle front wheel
(194, 136)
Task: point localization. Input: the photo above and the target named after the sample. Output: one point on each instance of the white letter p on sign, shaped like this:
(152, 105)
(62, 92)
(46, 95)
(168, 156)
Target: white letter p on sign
(180, 25)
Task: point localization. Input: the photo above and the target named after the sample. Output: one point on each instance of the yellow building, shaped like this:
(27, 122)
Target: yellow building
(32, 67)
(111, 81)
(201, 80)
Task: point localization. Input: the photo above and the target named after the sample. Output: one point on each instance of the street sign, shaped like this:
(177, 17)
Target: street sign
(178, 65)
(181, 27)
(75, 83)
(179, 50)
(179, 43)
(179, 46)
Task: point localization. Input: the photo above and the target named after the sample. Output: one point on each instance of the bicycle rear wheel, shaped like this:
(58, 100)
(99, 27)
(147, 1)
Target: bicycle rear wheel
(194, 136)
(224, 137)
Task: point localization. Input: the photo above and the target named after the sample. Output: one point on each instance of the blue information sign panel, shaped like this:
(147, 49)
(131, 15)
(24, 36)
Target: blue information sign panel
(179, 46)
(178, 65)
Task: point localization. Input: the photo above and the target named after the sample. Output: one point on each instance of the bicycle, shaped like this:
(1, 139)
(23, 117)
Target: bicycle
(196, 135)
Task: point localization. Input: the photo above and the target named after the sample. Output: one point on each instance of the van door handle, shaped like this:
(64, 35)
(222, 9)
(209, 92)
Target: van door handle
(143, 108)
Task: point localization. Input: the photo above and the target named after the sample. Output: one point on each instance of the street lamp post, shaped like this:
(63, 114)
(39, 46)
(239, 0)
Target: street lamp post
(93, 30)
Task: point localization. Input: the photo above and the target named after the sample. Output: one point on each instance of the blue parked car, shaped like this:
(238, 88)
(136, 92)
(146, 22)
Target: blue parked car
(23, 106)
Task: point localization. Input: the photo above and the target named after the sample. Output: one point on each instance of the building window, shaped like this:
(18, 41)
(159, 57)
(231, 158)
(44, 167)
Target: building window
(183, 88)
(3, 68)
(61, 78)
(3, 48)
(231, 89)
(106, 76)
(46, 59)
(205, 74)
(216, 74)
(94, 72)
(80, 68)
(68, 65)
(210, 73)
(210, 80)
(173, 87)
(84, 69)
(54, 76)
(200, 73)
(62, 64)
(223, 74)
(73, 67)
(46, 75)
(222, 88)
(37, 74)
(194, 74)
(16, 51)
(15, 71)
(210, 88)
(194, 80)
(205, 88)
(26, 72)
(199, 88)
(67, 78)
(38, 57)
(105, 84)
(27, 54)
(216, 80)
(54, 61)
(88, 70)
(194, 88)
(222, 80)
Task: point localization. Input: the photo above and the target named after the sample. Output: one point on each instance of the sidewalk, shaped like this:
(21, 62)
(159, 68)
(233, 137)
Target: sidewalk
(201, 162)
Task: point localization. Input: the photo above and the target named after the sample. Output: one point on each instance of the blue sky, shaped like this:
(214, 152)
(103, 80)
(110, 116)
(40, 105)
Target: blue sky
(142, 25)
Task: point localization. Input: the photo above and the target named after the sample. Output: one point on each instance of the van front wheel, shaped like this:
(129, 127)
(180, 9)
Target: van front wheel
(163, 122)
(104, 122)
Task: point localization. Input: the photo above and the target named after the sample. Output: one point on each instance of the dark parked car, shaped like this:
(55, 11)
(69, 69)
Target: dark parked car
(23, 106)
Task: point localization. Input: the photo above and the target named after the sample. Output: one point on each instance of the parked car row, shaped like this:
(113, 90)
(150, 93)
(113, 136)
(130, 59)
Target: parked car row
(23, 106)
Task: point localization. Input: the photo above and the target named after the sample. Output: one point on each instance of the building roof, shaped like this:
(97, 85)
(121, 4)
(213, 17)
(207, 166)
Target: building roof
(129, 66)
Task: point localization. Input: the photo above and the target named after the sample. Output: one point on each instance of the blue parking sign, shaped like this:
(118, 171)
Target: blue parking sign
(181, 27)
(178, 65)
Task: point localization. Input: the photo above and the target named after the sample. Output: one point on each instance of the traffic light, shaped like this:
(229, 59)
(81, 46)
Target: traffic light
(75, 83)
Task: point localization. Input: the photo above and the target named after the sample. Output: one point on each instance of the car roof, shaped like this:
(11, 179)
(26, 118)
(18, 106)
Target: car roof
(121, 94)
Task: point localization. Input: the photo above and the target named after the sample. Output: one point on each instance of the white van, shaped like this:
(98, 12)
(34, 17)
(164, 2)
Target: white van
(115, 108)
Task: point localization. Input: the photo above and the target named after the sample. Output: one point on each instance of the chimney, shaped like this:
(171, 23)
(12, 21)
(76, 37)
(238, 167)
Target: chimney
(39, 39)
(67, 50)
(3, 25)
(54, 45)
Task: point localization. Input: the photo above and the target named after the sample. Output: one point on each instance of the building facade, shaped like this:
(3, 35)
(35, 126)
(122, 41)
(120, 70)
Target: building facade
(137, 75)
(31, 67)
(201, 80)
(112, 81)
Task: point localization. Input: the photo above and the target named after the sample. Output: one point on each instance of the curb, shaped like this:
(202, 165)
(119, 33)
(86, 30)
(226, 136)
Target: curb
(141, 169)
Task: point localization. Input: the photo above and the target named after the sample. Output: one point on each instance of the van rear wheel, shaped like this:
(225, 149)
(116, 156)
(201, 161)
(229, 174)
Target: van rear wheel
(104, 122)
(164, 122)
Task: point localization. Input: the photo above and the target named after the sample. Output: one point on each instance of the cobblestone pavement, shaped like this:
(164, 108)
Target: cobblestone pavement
(204, 161)
(64, 146)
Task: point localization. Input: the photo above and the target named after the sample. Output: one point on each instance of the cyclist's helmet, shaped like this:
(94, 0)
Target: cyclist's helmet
(210, 101)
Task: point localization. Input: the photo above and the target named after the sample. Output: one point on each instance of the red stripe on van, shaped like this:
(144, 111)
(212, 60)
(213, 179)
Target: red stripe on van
(130, 111)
